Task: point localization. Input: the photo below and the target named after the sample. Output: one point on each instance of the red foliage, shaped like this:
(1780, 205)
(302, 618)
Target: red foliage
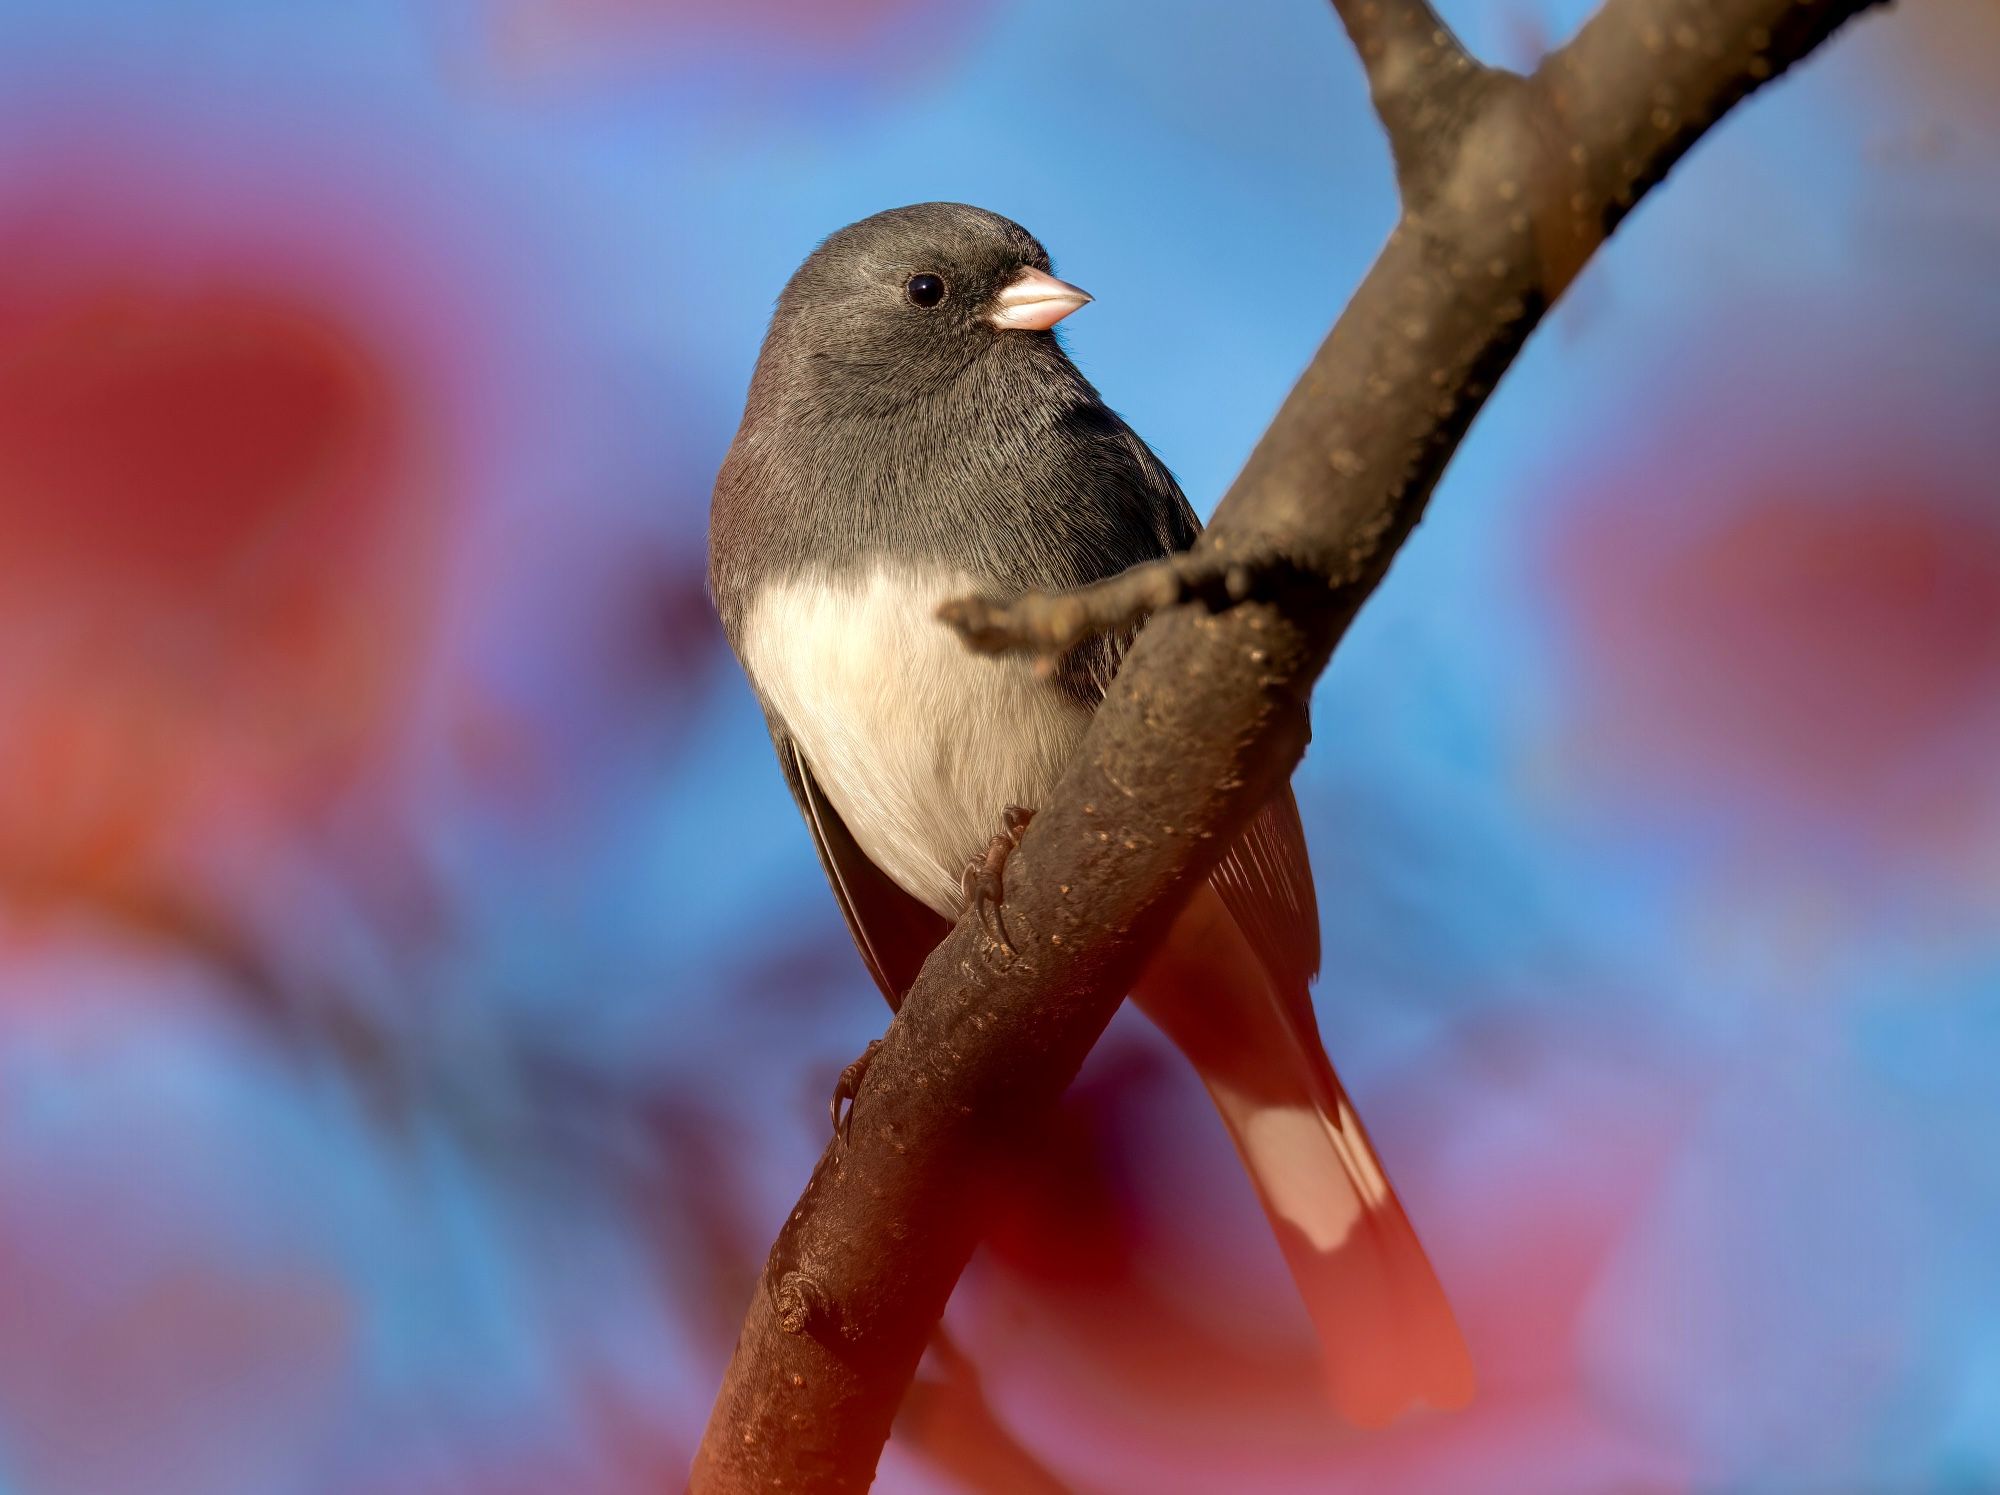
(1837, 649)
(206, 499)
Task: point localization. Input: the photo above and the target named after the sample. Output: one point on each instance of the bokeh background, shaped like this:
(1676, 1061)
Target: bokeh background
(418, 1000)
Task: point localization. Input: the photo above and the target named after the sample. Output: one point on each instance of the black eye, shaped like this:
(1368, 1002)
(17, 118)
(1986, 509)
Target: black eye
(925, 290)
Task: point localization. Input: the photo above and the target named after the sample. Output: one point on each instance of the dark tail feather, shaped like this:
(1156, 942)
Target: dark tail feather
(1388, 1336)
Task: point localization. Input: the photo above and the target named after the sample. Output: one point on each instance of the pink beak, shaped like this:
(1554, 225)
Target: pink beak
(1036, 301)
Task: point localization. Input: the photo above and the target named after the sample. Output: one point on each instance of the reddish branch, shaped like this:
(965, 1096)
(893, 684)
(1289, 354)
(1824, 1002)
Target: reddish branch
(1508, 183)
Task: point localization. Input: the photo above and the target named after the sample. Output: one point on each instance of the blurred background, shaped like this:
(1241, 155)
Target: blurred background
(418, 999)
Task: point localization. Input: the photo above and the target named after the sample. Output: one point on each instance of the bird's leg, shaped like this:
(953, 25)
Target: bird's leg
(985, 888)
(846, 1088)
(985, 891)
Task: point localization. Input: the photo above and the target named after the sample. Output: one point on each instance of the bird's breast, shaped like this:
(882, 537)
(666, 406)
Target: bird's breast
(919, 743)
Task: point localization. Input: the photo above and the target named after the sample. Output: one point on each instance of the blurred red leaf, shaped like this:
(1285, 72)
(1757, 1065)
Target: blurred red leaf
(209, 505)
(1836, 644)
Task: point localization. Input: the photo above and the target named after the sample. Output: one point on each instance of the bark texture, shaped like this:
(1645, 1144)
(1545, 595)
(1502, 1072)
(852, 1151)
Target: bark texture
(1509, 183)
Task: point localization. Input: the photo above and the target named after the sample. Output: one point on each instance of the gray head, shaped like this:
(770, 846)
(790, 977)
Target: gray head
(921, 292)
(911, 401)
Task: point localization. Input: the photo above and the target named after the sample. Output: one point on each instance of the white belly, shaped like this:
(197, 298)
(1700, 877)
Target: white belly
(919, 743)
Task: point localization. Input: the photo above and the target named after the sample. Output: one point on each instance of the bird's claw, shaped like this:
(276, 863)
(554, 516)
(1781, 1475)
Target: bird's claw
(984, 882)
(845, 1089)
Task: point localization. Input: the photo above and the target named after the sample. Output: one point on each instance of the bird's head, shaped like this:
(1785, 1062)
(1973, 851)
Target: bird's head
(922, 291)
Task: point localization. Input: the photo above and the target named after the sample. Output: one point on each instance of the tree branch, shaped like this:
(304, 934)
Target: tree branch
(1423, 83)
(1050, 624)
(1509, 183)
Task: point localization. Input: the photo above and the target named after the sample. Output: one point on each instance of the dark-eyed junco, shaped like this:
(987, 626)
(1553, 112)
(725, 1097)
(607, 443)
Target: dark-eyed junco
(915, 433)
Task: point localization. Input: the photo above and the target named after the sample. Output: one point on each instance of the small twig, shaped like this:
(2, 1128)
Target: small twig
(948, 1419)
(1048, 625)
(1391, 35)
(1421, 79)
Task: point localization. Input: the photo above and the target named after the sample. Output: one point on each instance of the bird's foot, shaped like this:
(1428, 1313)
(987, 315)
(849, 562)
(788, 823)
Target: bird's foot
(984, 883)
(845, 1089)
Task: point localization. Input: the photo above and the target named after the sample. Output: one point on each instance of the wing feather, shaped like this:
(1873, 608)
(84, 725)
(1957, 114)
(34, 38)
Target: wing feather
(1265, 879)
(893, 931)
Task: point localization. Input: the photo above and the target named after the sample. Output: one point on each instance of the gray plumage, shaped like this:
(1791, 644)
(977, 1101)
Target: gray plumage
(874, 427)
(913, 433)
(879, 432)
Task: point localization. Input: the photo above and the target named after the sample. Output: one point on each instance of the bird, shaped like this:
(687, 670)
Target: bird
(915, 432)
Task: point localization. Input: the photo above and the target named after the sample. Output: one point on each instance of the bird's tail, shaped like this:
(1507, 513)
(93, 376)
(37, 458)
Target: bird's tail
(1388, 1336)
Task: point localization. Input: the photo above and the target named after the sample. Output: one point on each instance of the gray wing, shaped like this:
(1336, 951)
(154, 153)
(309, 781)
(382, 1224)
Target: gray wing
(1152, 517)
(1266, 883)
(893, 931)
(1266, 880)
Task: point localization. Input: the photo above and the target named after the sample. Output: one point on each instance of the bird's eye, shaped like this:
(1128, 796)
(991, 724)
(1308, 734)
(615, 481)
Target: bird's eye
(925, 290)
